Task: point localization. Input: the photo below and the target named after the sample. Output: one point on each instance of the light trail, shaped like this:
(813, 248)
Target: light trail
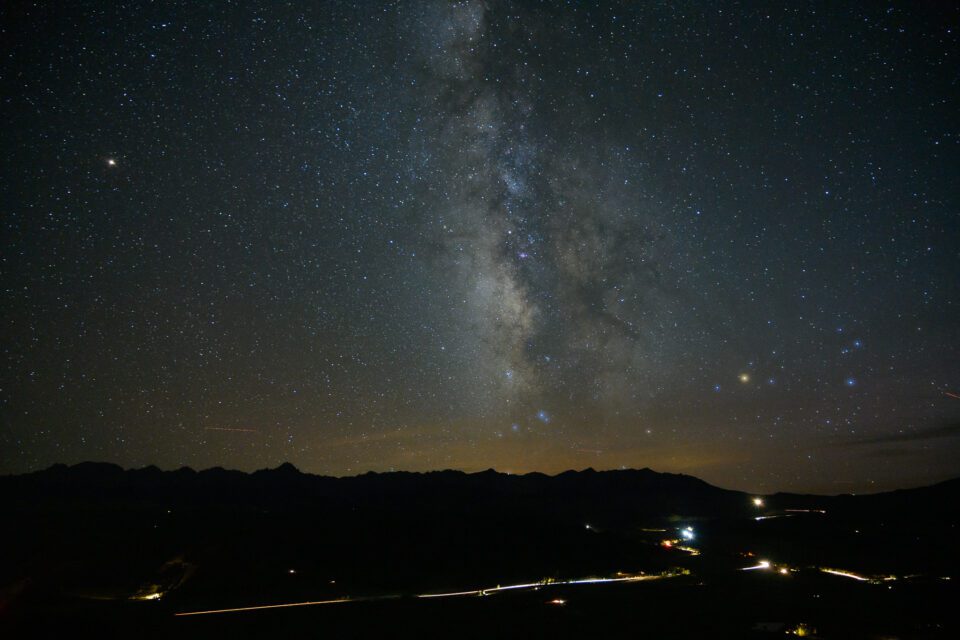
(785, 515)
(605, 580)
(451, 594)
(763, 564)
(845, 574)
(265, 606)
(238, 430)
(473, 592)
(952, 395)
(512, 587)
(536, 585)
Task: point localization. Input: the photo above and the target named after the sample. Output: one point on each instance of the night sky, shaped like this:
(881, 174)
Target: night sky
(705, 237)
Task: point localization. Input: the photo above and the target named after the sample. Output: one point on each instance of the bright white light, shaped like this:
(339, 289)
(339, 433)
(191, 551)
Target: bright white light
(758, 502)
(111, 162)
(687, 533)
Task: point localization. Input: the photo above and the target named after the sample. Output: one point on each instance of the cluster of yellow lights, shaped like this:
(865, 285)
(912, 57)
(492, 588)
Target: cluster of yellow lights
(679, 546)
(686, 534)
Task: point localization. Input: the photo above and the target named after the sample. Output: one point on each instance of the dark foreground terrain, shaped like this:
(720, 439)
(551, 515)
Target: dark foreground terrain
(96, 551)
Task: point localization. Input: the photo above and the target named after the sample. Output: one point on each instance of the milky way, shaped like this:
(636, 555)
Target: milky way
(415, 235)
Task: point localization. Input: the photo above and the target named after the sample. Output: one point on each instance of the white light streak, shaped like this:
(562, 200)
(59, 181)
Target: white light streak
(450, 594)
(264, 606)
(845, 574)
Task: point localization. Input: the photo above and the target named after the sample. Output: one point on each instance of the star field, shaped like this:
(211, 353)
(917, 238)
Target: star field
(710, 238)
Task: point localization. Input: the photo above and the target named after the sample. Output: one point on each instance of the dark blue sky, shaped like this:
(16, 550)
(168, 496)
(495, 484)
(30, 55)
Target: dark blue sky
(714, 238)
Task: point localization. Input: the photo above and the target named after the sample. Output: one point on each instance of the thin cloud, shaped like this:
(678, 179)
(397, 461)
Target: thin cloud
(933, 433)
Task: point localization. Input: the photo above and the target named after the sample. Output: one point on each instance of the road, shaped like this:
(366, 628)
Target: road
(488, 591)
